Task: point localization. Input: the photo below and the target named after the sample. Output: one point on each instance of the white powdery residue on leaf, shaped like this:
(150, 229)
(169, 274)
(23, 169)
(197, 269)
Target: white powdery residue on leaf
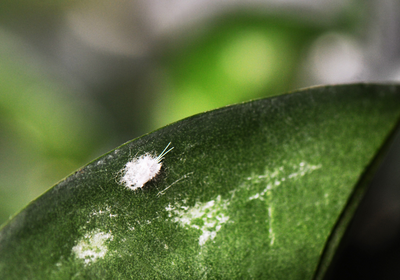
(92, 246)
(257, 195)
(103, 212)
(279, 176)
(141, 170)
(271, 221)
(304, 168)
(207, 217)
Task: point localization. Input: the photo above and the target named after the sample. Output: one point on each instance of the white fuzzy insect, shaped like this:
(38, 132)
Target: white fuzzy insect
(139, 171)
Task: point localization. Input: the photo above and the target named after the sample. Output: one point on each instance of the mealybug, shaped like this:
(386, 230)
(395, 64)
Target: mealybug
(139, 171)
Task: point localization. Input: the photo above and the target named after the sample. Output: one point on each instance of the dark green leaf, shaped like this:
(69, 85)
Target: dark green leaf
(249, 191)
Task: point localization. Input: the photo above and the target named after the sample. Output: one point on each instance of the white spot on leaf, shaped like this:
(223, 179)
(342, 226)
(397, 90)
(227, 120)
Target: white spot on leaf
(103, 211)
(92, 246)
(207, 217)
(271, 231)
(278, 176)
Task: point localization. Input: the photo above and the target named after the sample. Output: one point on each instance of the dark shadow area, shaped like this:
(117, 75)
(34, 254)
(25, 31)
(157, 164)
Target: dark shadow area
(370, 248)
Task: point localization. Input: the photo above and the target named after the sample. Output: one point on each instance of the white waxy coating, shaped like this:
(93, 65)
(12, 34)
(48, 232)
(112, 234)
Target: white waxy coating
(92, 246)
(139, 171)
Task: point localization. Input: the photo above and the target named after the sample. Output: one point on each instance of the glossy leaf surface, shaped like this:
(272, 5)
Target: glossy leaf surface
(249, 191)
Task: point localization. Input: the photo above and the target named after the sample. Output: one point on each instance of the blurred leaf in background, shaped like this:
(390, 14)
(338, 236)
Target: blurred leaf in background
(243, 56)
(47, 130)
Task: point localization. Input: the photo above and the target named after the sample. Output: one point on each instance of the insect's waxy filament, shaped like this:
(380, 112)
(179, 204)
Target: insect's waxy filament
(163, 153)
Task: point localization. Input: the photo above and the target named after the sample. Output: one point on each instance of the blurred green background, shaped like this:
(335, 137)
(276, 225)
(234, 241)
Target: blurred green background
(78, 78)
